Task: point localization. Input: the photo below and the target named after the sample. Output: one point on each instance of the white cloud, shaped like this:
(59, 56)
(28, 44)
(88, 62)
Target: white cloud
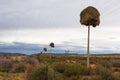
(102, 38)
(21, 14)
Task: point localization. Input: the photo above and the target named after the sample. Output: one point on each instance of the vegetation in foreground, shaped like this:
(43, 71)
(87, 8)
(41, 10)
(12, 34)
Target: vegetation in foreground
(59, 67)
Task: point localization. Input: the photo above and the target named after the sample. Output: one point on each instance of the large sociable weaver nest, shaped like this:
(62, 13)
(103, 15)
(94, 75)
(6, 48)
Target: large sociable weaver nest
(90, 16)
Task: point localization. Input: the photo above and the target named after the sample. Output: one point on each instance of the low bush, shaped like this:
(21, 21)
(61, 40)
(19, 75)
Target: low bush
(106, 64)
(19, 68)
(73, 69)
(116, 63)
(60, 67)
(43, 72)
(53, 75)
(32, 64)
(6, 65)
(105, 73)
(86, 71)
(39, 74)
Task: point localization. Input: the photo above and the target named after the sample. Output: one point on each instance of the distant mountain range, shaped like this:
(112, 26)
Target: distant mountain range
(18, 47)
(11, 54)
(20, 54)
(25, 48)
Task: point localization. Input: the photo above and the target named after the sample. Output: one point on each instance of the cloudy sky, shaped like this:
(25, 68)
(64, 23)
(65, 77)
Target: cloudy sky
(39, 22)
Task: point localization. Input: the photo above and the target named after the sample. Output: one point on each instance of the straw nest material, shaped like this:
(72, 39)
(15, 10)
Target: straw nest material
(90, 16)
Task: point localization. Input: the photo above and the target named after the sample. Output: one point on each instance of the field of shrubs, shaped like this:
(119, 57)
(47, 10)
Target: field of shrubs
(59, 67)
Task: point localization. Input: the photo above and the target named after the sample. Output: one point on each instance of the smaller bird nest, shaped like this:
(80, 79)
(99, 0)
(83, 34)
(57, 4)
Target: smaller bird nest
(45, 49)
(90, 16)
(52, 45)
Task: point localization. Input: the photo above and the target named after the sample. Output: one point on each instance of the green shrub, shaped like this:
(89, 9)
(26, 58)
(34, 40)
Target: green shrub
(86, 71)
(105, 73)
(4, 74)
(52, 75)
(68, 69)
(73, 70)
(60, 67)
(39, 74)
(44, 72)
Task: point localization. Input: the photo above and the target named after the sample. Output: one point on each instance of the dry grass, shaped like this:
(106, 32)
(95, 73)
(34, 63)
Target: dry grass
(12, 76)
(95, 60)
